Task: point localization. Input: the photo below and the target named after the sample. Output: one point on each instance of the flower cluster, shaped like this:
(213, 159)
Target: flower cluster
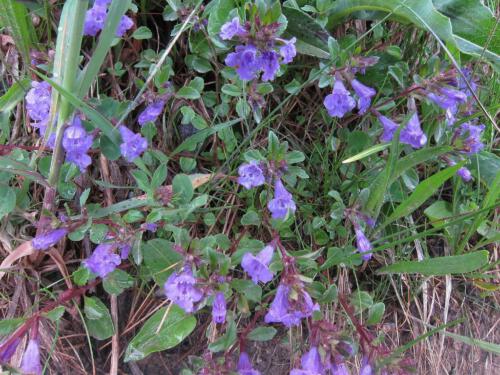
(254, 174)
(38, 102)
(133, 144)
(76, 142)
(291, 304)
(103, 260)
(261, 51)
(151, 112)
(181, 289)
(95, 18)
(258, 266)
(412, 134)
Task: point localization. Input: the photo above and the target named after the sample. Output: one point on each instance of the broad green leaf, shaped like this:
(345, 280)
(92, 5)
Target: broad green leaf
(7, 201)
(188, 92)
(486, 166)
(10, 325)
(142, 32)
(312, 38)
(439, 266)
(98, 319)
(182, 188)
(218, 15)
(55, 314)
(160, 259)
(167, 328)
(117, 281)
(262, 334)
(248, 289)
(437, 211)
(423, 191)
(375, 313)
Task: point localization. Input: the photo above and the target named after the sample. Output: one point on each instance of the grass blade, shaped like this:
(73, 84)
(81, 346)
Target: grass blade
(116, 11)
(422, 192)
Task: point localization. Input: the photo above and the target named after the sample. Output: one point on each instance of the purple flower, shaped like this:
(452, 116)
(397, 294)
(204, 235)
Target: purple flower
(289, 311)
(46, 240)
(219, 308)
(31, 359)
(125, 24)
(152, 227)
(390, 128)
(269, 64)
(38, 102)
(232, 28)
(472, 143)
(245, 366)
(251, 175)
(339, 369)
(133, 144)
(77, 142)
(288, 51)
(462, 85)
(340, 101)
(311, 364)
(363, 245)
(449, 100)
(124, 250)
(412, 133)
(258, 266)
(465, 174)
(95, 18)
(282, 203)
(246, 61)
(9, 350)
(181, 289)
(366, 368)
(364, 94)
(151, 113)
(103, 260)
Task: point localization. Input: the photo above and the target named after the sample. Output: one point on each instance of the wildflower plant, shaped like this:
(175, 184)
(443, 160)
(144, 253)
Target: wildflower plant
(215, 176)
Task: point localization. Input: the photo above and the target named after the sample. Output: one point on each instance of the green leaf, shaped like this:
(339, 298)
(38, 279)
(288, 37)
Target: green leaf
(8, 201)
(55, 314)
(201, 135)
(455, 264)
(424, 14)
(167, 328)
(224, 342)
(98, 319)
(81, 276)
(15, 16)
(98, 233)
(312, 38)
(10, 325)
(422, 192)
(142, 32)
(437, 211)
(231, 90)
(183, 188)
(262, 334)
(485, 165)
(160, 259)
(117, 281)
(250, 218)
(484, 345)
(14, 95)
(375, 313)
(188, 93)
(159, 176)
(218, 15)
(361, 300)
(248, 289)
